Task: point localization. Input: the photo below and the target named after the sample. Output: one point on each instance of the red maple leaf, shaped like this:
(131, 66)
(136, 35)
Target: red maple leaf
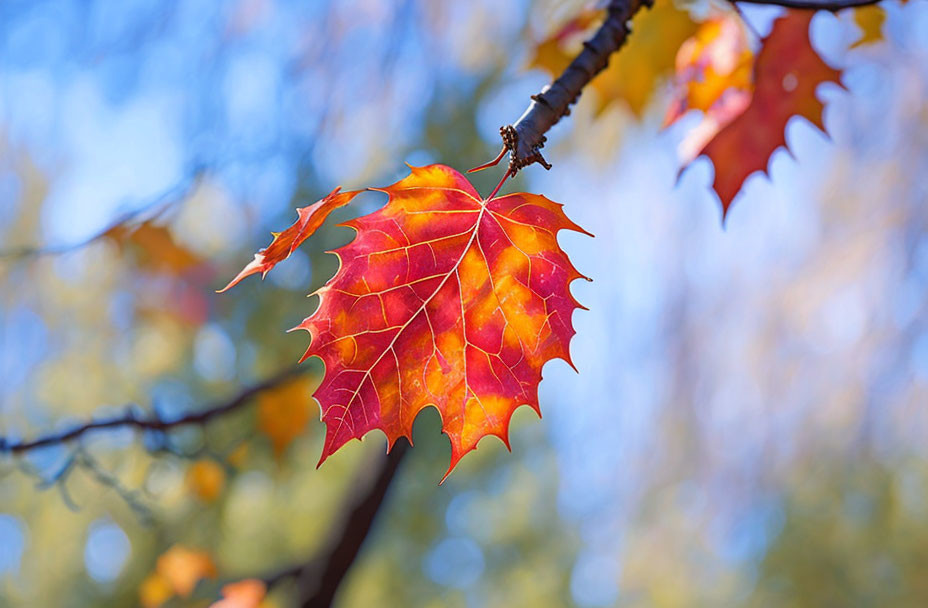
(787, 74)
(444, 299)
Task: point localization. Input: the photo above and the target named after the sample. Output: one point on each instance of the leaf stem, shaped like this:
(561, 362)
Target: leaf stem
(506, 176)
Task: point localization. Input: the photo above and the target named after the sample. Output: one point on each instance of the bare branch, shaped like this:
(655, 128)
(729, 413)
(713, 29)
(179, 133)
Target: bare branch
(131, 419)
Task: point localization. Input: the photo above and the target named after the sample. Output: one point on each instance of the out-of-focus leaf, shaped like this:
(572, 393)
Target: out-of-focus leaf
(286, 242)
(248, 593)
(155, 590)
(284, 412)
(714, 73)
(648, 57)
(787, 74)
(637, 70)
(442, 299)
(183, 568)
(238, 456)
(155, 247)
(555, 52)
(206, 479)
(870, 20)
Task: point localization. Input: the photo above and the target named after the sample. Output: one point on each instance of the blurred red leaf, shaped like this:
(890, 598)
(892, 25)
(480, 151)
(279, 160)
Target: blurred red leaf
(787, 74)
(284, 243)
(442, 299)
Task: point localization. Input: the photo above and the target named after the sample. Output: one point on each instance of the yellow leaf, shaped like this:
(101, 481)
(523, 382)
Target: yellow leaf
(638, 68)
(284, 412)
(647, 58)
(206, 479)
(554, 53)
(154, 591)
(183, 568)
(870, 20)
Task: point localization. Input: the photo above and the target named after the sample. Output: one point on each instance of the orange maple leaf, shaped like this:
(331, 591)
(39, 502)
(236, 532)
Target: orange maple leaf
(786, 75)
(286, 242)
(444, 299)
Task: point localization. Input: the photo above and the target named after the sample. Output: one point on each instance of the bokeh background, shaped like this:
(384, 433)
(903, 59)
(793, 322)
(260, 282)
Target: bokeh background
(749, 421)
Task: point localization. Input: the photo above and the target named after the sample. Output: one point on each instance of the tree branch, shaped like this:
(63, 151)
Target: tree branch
(321, 578)
(153, 423)
(821, 5)
(525, 138)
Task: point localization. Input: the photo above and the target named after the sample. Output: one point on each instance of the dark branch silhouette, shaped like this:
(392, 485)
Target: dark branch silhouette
(319, 579)
(131, 419)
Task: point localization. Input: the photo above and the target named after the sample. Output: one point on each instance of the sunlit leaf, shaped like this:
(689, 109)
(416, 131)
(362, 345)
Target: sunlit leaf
(442, 299)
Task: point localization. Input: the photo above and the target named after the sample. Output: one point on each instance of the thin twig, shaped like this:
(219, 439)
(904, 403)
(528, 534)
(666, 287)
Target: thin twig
(152, 423)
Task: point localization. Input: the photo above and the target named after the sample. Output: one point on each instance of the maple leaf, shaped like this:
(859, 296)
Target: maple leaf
(444, 299)
(870, 20)
(286, 242)
(714, 74)
(155, 246)
(634, 73)
(787, 73)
